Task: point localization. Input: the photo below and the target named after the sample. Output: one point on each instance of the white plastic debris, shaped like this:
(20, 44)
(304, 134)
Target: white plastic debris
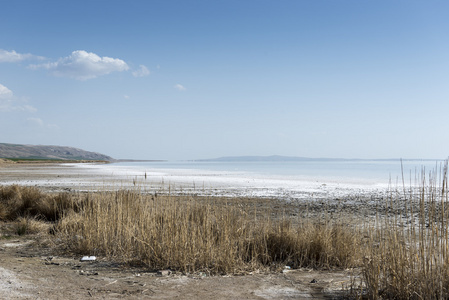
(286, 269)
(88, 258)
(163, 272)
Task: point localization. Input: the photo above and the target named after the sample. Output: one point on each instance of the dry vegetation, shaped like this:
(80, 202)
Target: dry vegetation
(403, 254)
(189, 235)
(409, 254)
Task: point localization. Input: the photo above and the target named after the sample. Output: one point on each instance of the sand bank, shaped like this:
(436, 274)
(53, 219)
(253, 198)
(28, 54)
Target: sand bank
(57, 177)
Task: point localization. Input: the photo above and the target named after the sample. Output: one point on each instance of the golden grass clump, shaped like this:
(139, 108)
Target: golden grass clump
(188, 235)
(29, 225)
(22, 201)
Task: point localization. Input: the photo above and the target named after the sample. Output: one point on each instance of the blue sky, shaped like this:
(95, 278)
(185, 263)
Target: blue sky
(203, 79)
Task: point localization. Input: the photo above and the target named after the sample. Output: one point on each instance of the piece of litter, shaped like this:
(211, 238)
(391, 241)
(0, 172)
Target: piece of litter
(163, 272)
(286, 269)
(88, 258)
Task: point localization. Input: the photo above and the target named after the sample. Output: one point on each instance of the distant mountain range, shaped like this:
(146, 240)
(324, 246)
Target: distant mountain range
(18, 151)
(258, 158)
(277, 158)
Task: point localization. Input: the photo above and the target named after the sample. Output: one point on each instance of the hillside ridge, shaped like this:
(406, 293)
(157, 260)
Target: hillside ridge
(23, 151)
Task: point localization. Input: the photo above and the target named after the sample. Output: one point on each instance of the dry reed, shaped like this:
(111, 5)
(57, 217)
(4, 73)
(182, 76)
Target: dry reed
(184, 234)
(22, 201)
(410, 254)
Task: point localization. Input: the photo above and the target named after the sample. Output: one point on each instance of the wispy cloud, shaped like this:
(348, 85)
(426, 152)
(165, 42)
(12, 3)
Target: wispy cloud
(5, 93)
(10, 103)
(40, 123)
(36, 121)
(179, 87)
(83, 65)
(141, 72)
(13, 56)
(27, 108)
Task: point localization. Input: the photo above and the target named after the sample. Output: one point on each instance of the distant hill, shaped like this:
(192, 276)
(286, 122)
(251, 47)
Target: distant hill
(48, 152)
(266, 158)
(284, 158)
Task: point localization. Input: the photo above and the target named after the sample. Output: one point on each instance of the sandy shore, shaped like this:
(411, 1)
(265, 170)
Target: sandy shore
(57, 177)
(51, 177)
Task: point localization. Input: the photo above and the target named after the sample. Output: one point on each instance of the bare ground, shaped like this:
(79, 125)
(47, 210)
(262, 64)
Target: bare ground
(29, 270)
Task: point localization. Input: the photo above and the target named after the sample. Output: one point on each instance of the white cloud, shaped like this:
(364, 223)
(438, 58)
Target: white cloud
(126, 96)
(27, 108)
(13, 56)
(5, 93)
(40, 123)
(36, 121)
(8, 106)
(83, 65)
(9, 103)
(141, 72)
(179, 87)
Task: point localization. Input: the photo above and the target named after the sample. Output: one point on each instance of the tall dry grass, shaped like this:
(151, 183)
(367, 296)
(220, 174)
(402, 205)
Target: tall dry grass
(409, 257)
(188, 235)
(22, 201)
